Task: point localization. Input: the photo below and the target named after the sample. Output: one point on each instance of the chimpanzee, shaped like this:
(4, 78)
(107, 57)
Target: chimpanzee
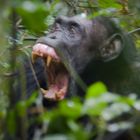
(79, 51)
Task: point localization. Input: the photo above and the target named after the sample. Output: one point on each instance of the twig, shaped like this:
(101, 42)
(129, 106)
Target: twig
(34, 74)
(30, 39)
(133, 31)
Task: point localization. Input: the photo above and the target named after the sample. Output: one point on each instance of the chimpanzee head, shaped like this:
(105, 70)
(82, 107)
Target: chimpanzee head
(72, 44)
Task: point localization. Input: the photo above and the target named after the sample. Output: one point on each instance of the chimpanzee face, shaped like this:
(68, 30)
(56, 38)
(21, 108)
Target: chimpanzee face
(72, 36)
(72, 43)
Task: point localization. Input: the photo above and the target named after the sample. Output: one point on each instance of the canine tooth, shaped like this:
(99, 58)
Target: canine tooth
(49, 59)
(43, 91)
(34, 56)
(59, 95)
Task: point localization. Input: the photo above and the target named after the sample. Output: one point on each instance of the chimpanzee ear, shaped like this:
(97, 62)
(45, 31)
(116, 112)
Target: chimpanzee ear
(111, 48)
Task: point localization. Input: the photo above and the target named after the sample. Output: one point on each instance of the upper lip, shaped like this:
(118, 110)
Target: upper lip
(45, 51)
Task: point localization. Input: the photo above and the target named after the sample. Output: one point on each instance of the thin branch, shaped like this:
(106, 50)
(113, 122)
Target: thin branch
(133, 31)
(34, 74)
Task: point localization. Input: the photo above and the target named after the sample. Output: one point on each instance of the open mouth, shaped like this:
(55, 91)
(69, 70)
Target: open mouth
(57, 75)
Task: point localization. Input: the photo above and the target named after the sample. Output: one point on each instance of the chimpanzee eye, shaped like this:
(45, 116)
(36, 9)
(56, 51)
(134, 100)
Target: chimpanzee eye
(73, 27)
(58, 20)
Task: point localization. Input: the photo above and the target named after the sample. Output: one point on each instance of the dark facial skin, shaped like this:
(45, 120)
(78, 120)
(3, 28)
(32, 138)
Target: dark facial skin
(72, 36)
(96, 50)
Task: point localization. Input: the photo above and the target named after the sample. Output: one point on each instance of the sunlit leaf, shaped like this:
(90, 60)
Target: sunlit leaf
(21, 108)
(70, 108)
(126, 100)
(137, 105)
(32, 98)
(120, 126)
(96, 90)
(115, 110)
(77, 131)
(94, 106)
(108, 3)
(33, 15)
(56, 137)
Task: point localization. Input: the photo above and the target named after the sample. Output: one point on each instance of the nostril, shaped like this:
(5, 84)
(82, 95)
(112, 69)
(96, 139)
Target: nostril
(53, 37)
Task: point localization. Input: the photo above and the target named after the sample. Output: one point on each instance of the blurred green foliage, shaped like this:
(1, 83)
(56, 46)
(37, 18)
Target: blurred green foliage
(100, 107)
(28, 10)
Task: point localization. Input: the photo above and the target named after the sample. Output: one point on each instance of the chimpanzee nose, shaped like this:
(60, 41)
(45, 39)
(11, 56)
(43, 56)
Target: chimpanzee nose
(52, 37)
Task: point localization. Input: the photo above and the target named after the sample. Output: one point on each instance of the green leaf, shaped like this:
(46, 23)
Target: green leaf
(120, 126)
(70, 108)
(108, 3)
(33, 15)
(137, 105)
(73, 125)
(56, 137)
(11, 121)
(32, 98)
(21, 108)
(115, 110)
(96, 90)
(94, 107)
(126, 100)
(77, 131)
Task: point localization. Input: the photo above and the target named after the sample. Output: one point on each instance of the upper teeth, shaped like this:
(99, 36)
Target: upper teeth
(41, 50)
(49, 60)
